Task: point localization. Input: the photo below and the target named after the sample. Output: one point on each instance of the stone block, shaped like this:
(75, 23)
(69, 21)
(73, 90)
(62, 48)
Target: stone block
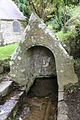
(60, 96)
(62, 117)
(1, 67)
(4, 87)
(62, 108)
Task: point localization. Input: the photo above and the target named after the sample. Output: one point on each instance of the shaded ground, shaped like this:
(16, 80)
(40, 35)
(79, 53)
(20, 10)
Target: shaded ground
(37, 109)
(41, 101)
(73, 102)
(44, 87)
(45, 108)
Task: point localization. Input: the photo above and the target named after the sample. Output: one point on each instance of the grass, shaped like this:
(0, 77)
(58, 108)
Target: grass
(7, 50)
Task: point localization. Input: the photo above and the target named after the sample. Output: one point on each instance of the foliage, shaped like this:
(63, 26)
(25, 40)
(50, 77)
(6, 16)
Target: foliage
(43, 8)
(76, 11)
(23, 6)
(58, 15)
(70, 88)
(71, 38)
(55, 23)
(47, 9)
(6, 51)
(13, 114)
(68, 14)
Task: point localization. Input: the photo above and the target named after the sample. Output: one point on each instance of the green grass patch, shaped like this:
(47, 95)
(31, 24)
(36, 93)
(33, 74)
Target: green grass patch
(7, 50)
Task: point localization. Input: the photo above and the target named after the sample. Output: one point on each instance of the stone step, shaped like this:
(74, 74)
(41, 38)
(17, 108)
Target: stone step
(9, 106)
(5, 87)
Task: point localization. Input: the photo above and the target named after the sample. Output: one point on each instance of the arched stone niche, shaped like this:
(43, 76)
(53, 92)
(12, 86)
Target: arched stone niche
(36, 34)
(40, 62)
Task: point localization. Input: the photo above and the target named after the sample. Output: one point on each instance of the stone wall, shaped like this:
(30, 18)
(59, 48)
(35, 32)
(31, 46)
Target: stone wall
(6, 32)
(40, 62)
(36, 34)
(62, 107)
(1, 67)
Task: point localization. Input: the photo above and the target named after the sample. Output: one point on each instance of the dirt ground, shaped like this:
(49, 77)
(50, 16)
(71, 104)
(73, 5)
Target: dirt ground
(46, 109)
(73, 102)
(38, 109)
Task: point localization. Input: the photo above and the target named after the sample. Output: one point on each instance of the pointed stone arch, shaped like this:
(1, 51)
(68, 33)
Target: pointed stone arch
(36, 34)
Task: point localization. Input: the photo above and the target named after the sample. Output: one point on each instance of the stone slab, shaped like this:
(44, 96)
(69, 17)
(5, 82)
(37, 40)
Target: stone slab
(62, 108)
(4, 87)
(7, 108)
(60, 96)
(62, 117)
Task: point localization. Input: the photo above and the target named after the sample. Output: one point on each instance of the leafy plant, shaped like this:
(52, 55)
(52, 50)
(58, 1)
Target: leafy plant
(70, 88)
(53, 24)
(23, 6)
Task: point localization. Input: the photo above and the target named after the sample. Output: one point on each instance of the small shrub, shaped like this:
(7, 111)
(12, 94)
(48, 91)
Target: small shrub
(68, 14)
(53, 24)
(72, 39)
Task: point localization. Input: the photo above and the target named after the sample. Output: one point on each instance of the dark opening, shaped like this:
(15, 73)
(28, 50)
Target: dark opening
(41, 62)
(43, 95)
(44, 87)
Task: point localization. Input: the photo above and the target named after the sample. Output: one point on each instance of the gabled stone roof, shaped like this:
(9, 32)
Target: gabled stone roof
(37, 34)
(9, 10)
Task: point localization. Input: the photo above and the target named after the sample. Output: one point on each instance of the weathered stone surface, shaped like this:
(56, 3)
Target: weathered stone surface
(60, 96)
(36, 34)
(1, 67)
(7, 108)
(4, 87)
(7, 35)
(62, 117)
(62, 108)
(1, 77)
